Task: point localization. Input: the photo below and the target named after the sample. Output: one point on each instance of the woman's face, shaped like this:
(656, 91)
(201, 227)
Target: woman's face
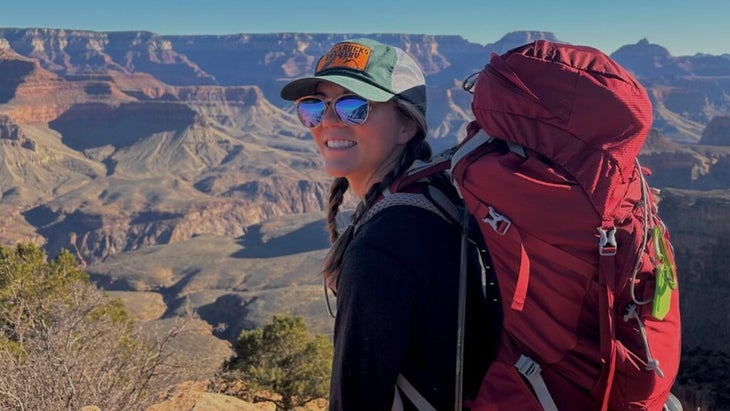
(362, 154)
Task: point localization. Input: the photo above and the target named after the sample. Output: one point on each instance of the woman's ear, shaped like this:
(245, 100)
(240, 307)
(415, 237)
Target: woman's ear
(408, 130)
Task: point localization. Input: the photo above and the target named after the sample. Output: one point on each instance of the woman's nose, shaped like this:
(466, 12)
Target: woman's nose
(330, 117)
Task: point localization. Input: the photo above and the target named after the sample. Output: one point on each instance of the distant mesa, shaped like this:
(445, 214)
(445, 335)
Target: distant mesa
(717, 133)
(91, 125)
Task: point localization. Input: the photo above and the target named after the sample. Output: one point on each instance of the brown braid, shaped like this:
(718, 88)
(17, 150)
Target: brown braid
(416, 149)
(337, 195)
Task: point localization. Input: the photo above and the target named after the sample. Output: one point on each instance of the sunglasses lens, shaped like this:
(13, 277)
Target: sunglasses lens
(352, 110)
(310, 111)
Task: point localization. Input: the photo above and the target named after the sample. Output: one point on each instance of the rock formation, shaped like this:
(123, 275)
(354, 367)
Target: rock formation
(717, 133)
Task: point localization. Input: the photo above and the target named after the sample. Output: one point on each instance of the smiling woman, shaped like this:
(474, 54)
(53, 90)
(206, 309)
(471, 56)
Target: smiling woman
(395, 269)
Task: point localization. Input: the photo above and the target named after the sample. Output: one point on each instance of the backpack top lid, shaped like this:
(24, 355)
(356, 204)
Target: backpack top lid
(572, 104)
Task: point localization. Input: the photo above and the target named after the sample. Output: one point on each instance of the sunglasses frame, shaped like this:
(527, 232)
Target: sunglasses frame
(333, 102)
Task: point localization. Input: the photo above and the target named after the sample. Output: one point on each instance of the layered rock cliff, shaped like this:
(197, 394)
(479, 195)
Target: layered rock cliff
(109, 162)
(687, 91)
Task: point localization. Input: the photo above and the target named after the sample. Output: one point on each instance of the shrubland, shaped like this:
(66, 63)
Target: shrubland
(66, 344)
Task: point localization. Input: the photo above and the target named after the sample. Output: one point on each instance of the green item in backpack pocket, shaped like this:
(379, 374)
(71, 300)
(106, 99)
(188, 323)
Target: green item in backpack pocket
(665, 276)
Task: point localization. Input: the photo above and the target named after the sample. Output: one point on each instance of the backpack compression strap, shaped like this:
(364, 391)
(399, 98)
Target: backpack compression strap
(531, 371)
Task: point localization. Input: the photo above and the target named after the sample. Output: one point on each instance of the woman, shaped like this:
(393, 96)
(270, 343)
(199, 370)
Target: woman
(395, 270)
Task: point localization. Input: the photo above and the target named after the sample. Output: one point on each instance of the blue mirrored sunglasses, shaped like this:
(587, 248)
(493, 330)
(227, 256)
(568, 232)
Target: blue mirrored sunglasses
(351, 109)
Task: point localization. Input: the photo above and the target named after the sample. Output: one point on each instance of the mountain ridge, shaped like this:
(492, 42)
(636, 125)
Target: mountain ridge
(684, 89)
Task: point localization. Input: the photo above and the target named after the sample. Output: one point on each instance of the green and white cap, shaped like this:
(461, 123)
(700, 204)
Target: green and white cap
(368, 68)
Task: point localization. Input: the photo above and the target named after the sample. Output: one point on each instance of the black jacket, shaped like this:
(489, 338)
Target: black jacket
(397, 313)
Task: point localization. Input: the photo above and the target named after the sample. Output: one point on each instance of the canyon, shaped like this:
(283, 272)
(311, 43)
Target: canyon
(174, 172)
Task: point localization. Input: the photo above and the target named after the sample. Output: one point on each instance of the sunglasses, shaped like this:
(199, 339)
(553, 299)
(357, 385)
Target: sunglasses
(351, 109)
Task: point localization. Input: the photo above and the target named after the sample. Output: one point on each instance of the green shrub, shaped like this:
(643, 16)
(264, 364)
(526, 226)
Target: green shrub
(283, 359)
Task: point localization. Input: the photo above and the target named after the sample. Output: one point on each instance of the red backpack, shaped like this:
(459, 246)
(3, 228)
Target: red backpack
(583, 262)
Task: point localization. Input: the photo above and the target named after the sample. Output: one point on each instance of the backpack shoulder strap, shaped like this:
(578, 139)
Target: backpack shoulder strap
(431, 199)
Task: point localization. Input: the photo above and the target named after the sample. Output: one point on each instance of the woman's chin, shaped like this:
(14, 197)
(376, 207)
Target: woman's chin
(337, 170)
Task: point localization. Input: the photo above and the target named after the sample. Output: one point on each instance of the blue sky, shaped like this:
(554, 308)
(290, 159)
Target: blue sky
(683, 27)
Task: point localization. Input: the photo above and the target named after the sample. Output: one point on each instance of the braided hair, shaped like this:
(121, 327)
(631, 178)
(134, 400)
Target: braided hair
(417, 148)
